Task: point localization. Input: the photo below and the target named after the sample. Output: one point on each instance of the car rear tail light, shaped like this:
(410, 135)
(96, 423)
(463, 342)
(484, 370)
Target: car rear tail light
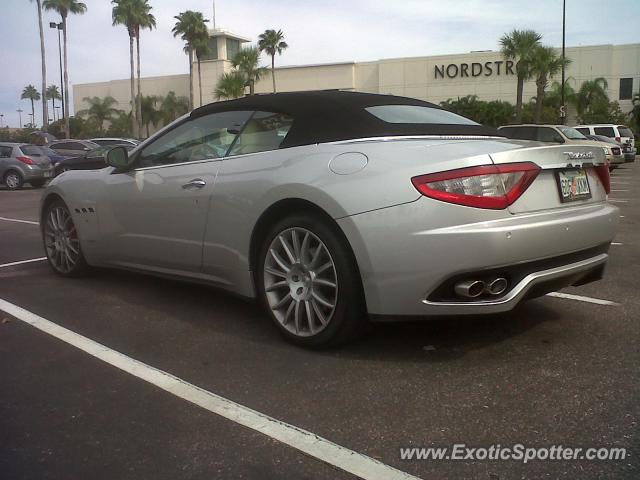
(487, 186)
(618, 139)
(26, 160)
(603, 175)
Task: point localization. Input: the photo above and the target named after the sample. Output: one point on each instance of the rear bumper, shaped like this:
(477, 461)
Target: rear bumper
(630, 156)
(408, 252)
(37, 173)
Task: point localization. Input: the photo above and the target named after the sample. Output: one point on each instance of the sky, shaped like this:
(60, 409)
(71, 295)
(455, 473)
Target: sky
(319, 31)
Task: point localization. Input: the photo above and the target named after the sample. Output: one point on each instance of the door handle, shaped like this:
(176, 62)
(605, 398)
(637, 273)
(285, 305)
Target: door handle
(195, 183)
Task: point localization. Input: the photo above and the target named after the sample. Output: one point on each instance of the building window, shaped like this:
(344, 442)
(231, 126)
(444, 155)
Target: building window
(233, 46)
(213, 50)
(626, 88)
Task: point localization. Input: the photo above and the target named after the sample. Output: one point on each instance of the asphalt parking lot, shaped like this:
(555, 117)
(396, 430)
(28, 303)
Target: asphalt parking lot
(557, 371)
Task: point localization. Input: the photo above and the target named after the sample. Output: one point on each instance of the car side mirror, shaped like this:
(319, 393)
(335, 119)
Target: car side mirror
(118, 157)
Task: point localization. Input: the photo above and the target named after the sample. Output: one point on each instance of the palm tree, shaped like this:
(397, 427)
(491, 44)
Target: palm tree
(30, 93)
(230, 85)
(134, 15)
(201, 48)
(272, 42)
(591, 93)
(64, 8)
(52, 93)
(246, 62)
(520, 46)
(172, 107)
(545, 63)
(123, 14)
(150, 114)
(100, 110)
(45, 105)
(190, 26)
(145, 19)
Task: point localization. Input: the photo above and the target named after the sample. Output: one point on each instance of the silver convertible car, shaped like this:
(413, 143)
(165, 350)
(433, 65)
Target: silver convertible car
(335, 208)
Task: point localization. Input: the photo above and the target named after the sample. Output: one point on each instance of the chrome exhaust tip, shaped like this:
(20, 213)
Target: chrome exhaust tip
(498, 286)
(470, 288)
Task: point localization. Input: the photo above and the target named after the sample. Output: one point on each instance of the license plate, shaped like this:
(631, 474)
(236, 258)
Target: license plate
(573, 185)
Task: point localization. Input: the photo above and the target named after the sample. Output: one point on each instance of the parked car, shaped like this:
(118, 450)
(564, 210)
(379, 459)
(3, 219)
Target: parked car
(54, 156)
(115, 141)
(22, 162)
(613, 150)
(620, 133)
(92, 160)
(73, 148)
(327, 206)
(554, 134)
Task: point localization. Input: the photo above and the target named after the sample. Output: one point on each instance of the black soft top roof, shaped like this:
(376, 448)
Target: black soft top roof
(333, 115)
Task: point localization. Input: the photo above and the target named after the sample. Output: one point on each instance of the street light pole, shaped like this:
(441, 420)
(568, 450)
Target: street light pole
(1, 120)
(20, 115)
(58, 26)
(563, 108)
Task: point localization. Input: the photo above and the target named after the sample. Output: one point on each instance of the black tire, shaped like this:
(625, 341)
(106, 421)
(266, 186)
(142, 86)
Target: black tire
(80, 266)
(13, 180)
(349, 317)
(38, 183)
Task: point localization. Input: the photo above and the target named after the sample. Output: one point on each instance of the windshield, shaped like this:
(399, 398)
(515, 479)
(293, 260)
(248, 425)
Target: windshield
(417, 114)
(572, 133)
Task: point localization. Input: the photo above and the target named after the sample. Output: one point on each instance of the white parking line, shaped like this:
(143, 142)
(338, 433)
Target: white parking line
(618, 201)
(614, 190)
(23, 261)
(30, 222)
(331, 453)
(582, 299)
(616, 243)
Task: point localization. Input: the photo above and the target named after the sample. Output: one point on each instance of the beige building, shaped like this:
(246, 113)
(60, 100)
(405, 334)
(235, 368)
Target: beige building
(435, 78)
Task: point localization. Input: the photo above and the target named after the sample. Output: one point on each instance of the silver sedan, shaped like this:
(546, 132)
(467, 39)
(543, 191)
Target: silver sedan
(335, 208)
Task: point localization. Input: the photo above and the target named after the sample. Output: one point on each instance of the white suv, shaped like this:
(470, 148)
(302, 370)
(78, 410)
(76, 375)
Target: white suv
(621, 134)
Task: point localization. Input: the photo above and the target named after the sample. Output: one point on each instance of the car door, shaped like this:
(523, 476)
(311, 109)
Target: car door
(154, 216)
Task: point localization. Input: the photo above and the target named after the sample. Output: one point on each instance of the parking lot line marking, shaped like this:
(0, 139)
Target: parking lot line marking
(30, 222)
(618, 201)
(582, 299)
(23, 261)
(614, 190)
(616, 243)
(320, 448)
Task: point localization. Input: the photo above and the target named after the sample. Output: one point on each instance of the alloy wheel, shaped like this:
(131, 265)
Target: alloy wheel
(61, 240)
(300, 282)
(12, 181)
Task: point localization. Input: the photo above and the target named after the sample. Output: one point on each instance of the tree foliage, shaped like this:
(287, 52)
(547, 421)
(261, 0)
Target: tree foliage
(272, 42)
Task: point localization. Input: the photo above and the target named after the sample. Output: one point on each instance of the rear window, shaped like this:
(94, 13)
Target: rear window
(520, 133)
(32, 150)
(606, 131)
(417, 114)
(625, 131)
(572, 133)
(584, 131)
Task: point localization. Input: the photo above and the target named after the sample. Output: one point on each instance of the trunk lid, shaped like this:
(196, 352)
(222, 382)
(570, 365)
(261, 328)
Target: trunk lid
(544, 192)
